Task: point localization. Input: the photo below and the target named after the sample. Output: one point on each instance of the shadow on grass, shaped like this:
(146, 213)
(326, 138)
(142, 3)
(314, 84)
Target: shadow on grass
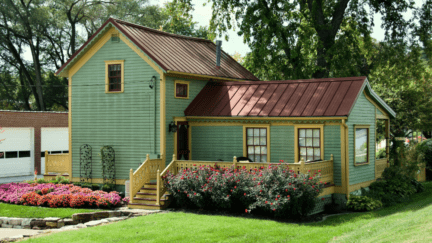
(416, 202)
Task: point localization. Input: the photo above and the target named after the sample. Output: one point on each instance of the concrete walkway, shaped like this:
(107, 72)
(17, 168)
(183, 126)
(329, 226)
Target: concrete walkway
(17, 179)
(16, 233)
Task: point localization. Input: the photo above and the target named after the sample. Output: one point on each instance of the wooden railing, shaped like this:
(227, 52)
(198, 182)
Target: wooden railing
(324, 167)
(57, 163)
(146, 172)
(380, 165)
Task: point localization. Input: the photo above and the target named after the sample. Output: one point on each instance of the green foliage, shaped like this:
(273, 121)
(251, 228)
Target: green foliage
(381, 153)
(66, 181)
(95, 187)
(86, 185)
(273, 190)
(363, 203)
(41, 181)
(108, 187)
(425, 149)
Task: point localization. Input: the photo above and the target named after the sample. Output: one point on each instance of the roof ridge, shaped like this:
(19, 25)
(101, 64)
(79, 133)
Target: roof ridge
(318, 80)
(160, 32)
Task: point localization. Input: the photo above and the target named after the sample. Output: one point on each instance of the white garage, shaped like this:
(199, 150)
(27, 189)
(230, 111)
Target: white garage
(55, 140)
(17, 152)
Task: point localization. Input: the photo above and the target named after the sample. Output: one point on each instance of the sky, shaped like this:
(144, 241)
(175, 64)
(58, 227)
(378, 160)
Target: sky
(202, 15)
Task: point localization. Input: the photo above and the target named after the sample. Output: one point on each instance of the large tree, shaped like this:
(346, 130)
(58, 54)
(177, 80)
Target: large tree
(306, 38)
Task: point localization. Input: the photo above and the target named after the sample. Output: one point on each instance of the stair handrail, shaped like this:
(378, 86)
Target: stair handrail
(160, 188)
(133, 188)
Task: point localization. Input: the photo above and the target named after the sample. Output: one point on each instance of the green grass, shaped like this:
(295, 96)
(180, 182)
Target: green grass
(406, 222)
(20, 211)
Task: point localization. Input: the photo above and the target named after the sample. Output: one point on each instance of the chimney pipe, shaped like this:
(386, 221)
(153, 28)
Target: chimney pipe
(218, 52)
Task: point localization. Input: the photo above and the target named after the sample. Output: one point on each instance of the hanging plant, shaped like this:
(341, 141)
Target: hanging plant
(107, 155)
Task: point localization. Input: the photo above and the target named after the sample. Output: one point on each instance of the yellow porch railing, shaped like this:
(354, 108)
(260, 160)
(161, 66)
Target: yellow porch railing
(146, 172)
(57, 163)
(325, 167)
(380, 165)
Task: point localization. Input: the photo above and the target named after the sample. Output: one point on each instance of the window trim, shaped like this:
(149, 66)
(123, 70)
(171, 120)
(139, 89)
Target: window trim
(296, 139)
(245, 139)
(368, 145)
(175, 89)
(121, 62)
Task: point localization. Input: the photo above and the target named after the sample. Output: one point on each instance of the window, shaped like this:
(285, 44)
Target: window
(11, 154)
(2, 154)
(24, 154)
(309, 142)
(257, 144)
(361, 145)
(181, 90)
(114, 80)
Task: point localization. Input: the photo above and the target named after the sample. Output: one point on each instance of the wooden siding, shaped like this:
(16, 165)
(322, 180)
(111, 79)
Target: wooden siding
(210, 143)
(175, 108)
(332, 145)
(363, 113)
(126, 121)
(282, 143)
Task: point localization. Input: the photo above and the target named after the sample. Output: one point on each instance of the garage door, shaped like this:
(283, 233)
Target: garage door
(55, 140)
(17, 155)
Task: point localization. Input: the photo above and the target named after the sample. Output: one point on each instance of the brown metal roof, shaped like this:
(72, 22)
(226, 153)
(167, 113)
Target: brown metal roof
(177, 53)
(289, 98)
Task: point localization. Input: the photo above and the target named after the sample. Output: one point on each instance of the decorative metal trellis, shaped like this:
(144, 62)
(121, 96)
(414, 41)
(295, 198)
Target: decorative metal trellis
(85, 163)
(108, 165)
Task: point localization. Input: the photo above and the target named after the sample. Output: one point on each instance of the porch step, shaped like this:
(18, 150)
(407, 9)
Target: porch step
(146, 206)
(150, 200)
(148, 190)
(148, 195)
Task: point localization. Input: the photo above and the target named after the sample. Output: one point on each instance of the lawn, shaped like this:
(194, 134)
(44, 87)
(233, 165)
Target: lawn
(406, 222)
(20, 211)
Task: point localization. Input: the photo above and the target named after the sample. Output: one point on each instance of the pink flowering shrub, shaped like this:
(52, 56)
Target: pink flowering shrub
(57, 195)
(274, 189)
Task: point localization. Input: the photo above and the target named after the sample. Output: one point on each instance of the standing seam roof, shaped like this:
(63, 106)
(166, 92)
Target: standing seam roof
(289, 98)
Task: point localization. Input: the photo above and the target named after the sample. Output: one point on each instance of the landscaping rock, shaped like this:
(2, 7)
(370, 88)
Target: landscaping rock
(36, 228)
(17, 227)
(7, 226)
(26, 222)
(82, 217)
(114, 214)
(38, 222)
(100, 215)
(15, 221)
(51, 219)
(70, 222)
(17, 237)
(79, 226)
(60, 224)
(96, 222)
(51, 224)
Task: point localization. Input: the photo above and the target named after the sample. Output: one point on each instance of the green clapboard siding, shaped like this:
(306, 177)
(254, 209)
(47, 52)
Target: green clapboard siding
(175, 108)
(129, 121)
(282, 144)
(379, 112)
(332, 145)
(363, 113)
(210, 143)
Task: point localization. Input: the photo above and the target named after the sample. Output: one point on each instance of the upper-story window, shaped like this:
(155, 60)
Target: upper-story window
(181, 89)
(114, 80)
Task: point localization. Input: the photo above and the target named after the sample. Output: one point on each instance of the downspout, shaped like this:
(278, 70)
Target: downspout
(154, 122)
(346, 157)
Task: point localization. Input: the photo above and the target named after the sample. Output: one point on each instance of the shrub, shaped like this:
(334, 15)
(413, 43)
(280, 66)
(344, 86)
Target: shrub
(86, 185)
(65, 181)
(363, 203)
(30, 199)
(41, 181)
(108, 187)
(417, 185)
(273, 189)
(95, 187)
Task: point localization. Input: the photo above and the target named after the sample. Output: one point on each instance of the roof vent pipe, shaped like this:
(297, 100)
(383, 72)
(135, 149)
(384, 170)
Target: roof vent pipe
(218, 52)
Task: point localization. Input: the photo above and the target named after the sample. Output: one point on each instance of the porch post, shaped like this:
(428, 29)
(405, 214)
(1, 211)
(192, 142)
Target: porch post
(130, 186)
(387, 136)
(235, 162)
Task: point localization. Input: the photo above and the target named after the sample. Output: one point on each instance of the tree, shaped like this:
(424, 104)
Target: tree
(304, 37)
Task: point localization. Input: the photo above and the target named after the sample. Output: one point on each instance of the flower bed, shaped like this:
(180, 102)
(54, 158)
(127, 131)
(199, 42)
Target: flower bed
(273, 189)
(57, 195)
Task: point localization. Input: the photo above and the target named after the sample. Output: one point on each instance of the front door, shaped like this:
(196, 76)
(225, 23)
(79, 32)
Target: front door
(182, 141)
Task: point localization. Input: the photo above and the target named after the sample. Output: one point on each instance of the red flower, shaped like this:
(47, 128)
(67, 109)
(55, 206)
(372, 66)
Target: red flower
(313, 186)
(231, 190)
(266, 202)
(319, 170)
(194, 164)
(194, 193)
(271, 203)
(276, 199)
(245, 194)
(246, 210)
(294, 188)
(288, 196)
(274, 209)
(323, 199)
(260, 190)
(286, 190)
(227, 195)
(235, 187)
(289, 183)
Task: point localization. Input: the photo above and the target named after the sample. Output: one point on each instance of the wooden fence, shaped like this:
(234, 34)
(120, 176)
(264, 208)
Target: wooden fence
(57, 163)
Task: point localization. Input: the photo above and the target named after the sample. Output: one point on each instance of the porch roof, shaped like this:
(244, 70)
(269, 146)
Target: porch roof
(289, 98)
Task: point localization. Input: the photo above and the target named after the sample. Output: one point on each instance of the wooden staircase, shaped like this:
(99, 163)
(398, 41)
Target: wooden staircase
(146, 198)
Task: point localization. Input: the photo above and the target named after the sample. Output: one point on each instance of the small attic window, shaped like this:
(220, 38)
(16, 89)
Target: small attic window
(115, 38)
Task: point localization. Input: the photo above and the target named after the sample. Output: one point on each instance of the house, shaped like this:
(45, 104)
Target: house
(141, 91)
(27, 135)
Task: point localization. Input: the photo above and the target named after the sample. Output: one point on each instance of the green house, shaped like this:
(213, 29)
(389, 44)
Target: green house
(143, 91)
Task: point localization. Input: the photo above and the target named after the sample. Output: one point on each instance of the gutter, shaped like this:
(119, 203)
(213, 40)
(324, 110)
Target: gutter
(346, 157)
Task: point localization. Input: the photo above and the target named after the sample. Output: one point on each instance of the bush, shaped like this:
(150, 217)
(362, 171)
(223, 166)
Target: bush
(95, 187)
(41, 181)
(363, 203)
(66, 181)
(381, 153)
(108, 187)
(417, 185)
(86, 185)
(273, 189)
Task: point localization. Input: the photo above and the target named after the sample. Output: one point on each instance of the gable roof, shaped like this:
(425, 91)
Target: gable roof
(290, 98)
(175, 53)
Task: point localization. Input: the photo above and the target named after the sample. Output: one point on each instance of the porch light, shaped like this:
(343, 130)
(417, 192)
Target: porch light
(172, 127)
(152, 81)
